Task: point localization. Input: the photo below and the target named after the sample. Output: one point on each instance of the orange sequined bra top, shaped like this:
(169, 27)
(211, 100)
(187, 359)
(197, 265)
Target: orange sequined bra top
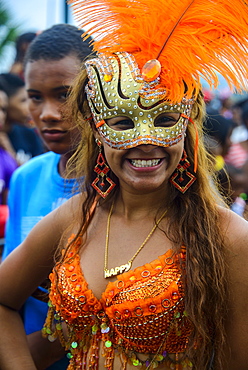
(142, 312)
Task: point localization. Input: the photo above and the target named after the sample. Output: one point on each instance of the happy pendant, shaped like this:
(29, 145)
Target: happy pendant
(117, 270)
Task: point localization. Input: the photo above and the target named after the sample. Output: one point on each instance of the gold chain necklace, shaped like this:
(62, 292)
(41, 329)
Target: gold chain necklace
(123, 268)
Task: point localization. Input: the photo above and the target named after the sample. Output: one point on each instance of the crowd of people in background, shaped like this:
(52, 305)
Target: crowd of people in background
(226, 137)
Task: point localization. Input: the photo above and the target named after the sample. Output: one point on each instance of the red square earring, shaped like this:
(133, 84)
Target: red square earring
(102, 183)
(182, 179)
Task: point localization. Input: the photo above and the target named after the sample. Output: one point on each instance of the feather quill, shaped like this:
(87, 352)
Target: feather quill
(190, 38)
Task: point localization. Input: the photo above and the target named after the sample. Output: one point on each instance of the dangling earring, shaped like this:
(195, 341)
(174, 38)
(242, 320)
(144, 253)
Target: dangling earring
(102, 183)
(182, 179)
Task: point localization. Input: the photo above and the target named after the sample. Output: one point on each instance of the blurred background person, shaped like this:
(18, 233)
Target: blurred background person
(232, 175)
(7, 166)
(21, 45)
(237, 155)
(25, 140)
(218, 131)
(7, 163)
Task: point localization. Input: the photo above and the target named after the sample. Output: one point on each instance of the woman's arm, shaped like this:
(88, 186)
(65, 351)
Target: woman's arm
(14, 352)
(20, 274)
(236, 235)
(44, 353)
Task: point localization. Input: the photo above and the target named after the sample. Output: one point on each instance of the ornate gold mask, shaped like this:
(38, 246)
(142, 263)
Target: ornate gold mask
(116, 88)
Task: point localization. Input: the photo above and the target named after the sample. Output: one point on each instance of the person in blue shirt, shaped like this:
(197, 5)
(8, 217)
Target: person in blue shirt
(41, 185)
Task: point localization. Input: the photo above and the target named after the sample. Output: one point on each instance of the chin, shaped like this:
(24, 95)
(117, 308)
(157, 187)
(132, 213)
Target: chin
(57, 149)
(145, 187)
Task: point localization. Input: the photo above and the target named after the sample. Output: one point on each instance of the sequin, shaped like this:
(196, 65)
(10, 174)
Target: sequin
(152, 308)
(107, 78)
(159, 357)
(82, 299)
(94, 329)
(105, 331)
(177, 315)
(73, 277)
(135, 362)
(120, 284)
(166, 303)
(126, 314)
(58, 326)
(145, 273)
(51, 338)
(158, 268)
(138, 311)
(155, 364)
(174, 296)
(78, 288)
(118, 315)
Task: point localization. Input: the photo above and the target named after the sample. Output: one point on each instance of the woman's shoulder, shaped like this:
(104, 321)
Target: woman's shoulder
(70, 211)
(235, 231)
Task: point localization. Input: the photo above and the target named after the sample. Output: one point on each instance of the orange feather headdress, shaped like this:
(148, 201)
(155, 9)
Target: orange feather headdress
(190, 38)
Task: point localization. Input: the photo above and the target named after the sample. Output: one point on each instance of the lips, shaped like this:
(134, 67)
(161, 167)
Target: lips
(53, 134)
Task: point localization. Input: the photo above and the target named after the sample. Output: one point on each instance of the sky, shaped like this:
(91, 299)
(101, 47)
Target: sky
(32, 16)
(37, 15)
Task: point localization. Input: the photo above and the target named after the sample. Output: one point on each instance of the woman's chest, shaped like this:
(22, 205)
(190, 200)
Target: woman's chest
(102, 259)
(141, 311)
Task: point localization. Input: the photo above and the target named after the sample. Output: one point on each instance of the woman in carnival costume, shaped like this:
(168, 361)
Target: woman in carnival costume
(154, 274)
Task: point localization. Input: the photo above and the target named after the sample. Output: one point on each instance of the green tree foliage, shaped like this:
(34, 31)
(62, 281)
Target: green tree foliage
(8, 31)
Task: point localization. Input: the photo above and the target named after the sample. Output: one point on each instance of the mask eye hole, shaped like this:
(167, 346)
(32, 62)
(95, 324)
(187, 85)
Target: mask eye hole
(120, 123)
(166, 119)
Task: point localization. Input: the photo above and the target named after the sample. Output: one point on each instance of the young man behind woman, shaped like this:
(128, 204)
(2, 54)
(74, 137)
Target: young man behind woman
(52, 61)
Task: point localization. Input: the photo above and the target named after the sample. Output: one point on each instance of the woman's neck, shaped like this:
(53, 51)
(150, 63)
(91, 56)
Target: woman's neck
(140, 205)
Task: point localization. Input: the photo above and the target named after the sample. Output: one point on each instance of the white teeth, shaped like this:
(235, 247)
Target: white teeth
(144, 163)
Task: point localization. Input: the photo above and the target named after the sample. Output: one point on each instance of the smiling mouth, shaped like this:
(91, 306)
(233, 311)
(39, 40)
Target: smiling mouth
(145, 163)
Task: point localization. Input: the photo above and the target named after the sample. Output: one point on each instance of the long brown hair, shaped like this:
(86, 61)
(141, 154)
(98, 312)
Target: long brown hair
(193, 219)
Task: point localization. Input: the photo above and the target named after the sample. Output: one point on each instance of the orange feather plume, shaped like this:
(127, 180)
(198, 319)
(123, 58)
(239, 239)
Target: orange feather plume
(190, 38)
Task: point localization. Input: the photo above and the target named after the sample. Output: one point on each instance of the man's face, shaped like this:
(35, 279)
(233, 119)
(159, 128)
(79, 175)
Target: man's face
(47, 84)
